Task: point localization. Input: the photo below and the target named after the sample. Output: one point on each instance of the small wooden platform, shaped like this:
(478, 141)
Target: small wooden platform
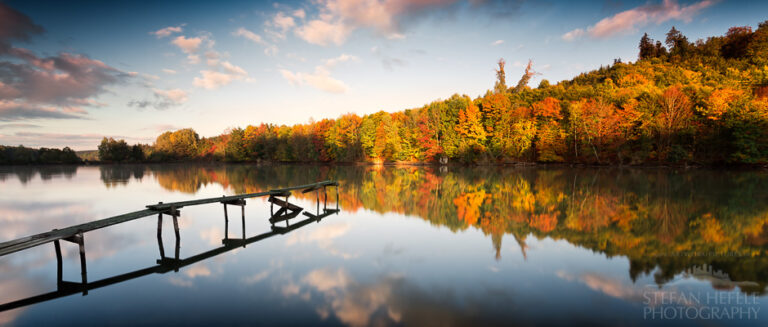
(152, 209)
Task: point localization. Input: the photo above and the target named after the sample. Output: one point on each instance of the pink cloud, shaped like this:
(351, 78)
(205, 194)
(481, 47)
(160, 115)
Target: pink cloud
(188, 45)
(15, 25)
(163, 32)
(338, 18)
(629, 20)
(54, 87)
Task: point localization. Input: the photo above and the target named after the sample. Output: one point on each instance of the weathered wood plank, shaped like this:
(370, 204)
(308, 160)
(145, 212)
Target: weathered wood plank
(284, 217)
(180, 204)
(57, 234)
(326, 213)
(284, 204)
(301, 187)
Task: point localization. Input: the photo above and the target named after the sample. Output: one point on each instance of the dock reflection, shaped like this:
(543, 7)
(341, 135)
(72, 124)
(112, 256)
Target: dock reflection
(166, 264)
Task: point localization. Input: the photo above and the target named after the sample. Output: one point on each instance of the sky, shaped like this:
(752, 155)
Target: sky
(74, 72)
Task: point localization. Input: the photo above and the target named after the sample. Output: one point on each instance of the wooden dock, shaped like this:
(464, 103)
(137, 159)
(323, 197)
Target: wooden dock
(75, 234)
(164, 265)
(152, 209)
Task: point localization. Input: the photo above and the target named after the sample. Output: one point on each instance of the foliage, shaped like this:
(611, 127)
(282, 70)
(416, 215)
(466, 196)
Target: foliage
(702, 102)
(662, 221)
(21, 155)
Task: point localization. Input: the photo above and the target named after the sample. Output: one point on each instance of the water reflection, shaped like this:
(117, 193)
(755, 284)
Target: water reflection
(164, 263)
(413, 245)
(664, 221)
(26, 174)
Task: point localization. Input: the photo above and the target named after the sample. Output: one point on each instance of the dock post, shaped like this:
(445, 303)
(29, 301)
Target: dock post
(175, 216)
(160, 246)
(226, 218)
(226, 221)
(160, 225)
(242, 209)
(83, 272)
(176, 255)
(59, 268)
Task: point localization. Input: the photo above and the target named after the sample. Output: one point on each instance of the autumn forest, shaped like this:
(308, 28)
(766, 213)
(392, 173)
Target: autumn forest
(681, 102)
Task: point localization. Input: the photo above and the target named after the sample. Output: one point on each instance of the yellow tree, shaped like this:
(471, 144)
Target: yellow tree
(471, 123)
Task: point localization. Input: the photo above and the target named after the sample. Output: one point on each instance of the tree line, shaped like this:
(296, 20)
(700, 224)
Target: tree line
(21, 155)
(703, 102)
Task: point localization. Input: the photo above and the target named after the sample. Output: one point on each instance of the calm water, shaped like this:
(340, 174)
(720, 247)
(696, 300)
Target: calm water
(412, 246)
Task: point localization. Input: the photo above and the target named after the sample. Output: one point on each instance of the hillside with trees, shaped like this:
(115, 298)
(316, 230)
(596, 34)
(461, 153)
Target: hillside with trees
(681, 102)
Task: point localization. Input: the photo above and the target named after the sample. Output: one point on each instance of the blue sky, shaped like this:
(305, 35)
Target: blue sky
(71, 73)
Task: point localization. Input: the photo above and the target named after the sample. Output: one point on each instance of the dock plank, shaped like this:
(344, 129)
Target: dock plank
(42, 238)
(308, 186)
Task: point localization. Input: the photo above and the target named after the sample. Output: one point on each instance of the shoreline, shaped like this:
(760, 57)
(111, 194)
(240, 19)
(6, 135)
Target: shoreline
(414, 164)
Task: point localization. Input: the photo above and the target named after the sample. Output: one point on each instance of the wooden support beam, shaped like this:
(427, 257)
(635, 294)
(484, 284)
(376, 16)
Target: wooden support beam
(284, 216)
(284, 204)
(326, 213)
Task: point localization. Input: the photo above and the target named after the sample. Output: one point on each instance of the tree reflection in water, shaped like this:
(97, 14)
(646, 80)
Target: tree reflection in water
(663, 220)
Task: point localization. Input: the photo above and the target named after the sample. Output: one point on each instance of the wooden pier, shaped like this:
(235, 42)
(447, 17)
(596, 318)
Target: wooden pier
(152, 209)
(164, 265)
(76, 234)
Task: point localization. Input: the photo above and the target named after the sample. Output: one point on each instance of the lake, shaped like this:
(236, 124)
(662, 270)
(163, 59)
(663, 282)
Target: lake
(409, 246)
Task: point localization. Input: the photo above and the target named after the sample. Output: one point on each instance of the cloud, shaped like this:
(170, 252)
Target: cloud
(269, 50)
(218, 74)
(175, 96)
(188, 45)
(253, 279)
(150, 76)
(324, 33)
(169, 71)
(11, 110)
(337, 19)
(197, 271)
(497, 42)
(163, 32)
(163, 99)
(282, 24)
(180, 282)
(330, 63)
(249, 35)
(54, 87)
(300, 13)
(19, 126)
(213, 80)
(15, 25)
(630, 20)
(573, 35)
(321, 78)
(388, 61)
